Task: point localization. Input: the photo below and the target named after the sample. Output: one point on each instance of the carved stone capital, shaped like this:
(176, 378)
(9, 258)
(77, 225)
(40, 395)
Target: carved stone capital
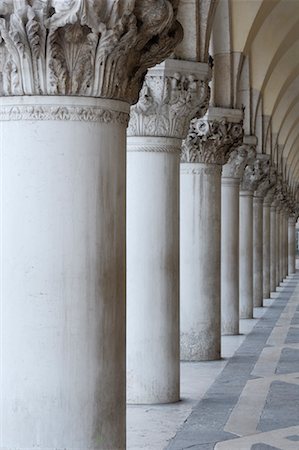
(211, 140)
(254, 173)
(238, 159)
(173, 93)
(268, 181)
(95, 48)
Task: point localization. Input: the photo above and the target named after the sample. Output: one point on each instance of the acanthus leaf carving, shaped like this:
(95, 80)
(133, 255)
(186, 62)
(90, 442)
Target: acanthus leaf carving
(167, 104)
(211, 141)
(97, 48)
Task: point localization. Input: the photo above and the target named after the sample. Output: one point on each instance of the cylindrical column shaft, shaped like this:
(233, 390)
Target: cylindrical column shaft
(292, 245)
(153, 270)
(246, 255)
(273, 257)
(257, 251)
(200, 261)
(63, 299)
(230, 255)
(281, 245)
(266, 249)
(286, 246)
(278, 246)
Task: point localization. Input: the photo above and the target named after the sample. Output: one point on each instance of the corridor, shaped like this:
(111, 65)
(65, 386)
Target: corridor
(253, 401)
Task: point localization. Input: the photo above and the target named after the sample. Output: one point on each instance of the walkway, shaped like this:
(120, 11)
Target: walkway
(254, 401)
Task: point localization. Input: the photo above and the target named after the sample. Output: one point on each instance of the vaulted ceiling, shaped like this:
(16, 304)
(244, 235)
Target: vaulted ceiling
(255, 47)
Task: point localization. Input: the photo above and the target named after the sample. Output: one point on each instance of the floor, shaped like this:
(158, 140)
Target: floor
(248, 400)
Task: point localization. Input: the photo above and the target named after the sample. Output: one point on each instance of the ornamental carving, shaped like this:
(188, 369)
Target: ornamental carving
(268, 181)
(97, 48)
(57, 112)
(238, 159)
(254, 174)
(211, 141)
(167, 104)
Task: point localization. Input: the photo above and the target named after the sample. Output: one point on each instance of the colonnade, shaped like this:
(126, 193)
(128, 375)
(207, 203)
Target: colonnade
(210, 225)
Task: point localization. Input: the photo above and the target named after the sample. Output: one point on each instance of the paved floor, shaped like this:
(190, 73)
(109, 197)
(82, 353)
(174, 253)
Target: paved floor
(249, 401)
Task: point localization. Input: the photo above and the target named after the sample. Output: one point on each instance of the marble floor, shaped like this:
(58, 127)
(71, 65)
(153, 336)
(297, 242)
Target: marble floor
(248, 400)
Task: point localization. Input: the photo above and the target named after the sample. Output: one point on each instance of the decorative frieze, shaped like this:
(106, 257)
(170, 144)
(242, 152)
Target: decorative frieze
(172, 95)
(211, 141)
(96, 48)
(58, 112)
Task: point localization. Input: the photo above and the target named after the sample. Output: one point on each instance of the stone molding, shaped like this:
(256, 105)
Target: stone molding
(200, 169)
(170, 97)
(153, 144)
(94, 48)
(67, 113)
(211, 140)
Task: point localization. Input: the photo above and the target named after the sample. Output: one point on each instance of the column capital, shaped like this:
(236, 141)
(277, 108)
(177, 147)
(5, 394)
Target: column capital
(254, 173)
(238, 159)
(173, 93)
(83, 47)
(267, 183)
(212, 138)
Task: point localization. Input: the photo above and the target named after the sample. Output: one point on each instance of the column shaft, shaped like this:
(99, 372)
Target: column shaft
(257, 251)
(273, 257)
(230, 255)
(292, 245)
(153, 270)
(63, 300)
(281, 245)
(286, 245)
(277, 247)
(246, 255)
(200, 261)
(266, 250)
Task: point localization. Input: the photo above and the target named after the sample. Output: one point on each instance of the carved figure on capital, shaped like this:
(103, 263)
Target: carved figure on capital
(254, 174)
(211, 141)
(167, 104)
(238, 159)
(97, 48)
(268, 181)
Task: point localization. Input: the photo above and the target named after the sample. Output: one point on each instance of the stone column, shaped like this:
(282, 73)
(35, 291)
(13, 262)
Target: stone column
(268, 254)
(273, 255)
(69, 72)
(208, 146)
(286, 245)
(261, 234)
(173, 93)
(252, 175)
(292, 244)
(281, 243)
(278, 252)
(230, 187)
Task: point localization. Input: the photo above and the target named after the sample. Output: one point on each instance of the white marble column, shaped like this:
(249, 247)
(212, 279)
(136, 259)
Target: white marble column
(173, 93)
(252, 175)
(63, 117)
(278, 252)
(273, 255)
(230, 188)
(281, 244)
(264, 185)
(266, 248)
(285, 242)
(292, 245)
(208, 146)
(258, 251)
